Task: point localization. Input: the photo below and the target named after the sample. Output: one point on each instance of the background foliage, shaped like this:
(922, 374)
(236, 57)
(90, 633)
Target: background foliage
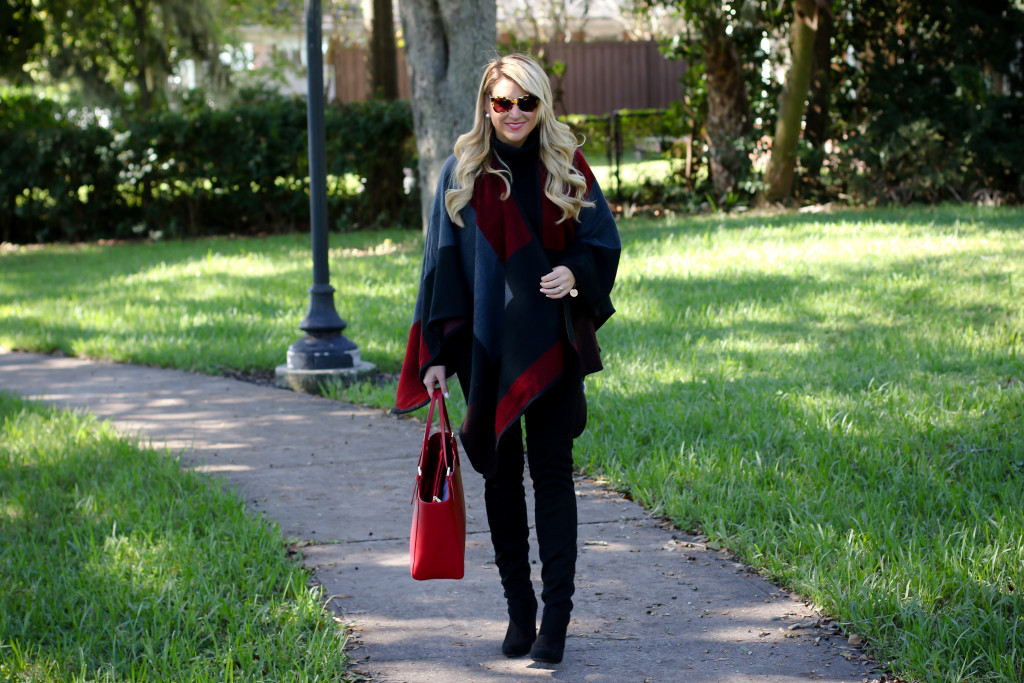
(910, 102)
(195, 171)
(920, 101)
(930, 100)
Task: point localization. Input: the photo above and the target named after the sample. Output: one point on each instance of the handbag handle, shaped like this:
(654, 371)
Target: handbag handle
(446, 425)
(448, 455)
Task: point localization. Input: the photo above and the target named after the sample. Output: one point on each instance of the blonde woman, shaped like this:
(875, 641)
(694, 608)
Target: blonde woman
(520, 258)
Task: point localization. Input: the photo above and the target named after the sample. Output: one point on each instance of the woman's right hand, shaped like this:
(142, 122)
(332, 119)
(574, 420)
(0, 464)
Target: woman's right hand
(434, 377)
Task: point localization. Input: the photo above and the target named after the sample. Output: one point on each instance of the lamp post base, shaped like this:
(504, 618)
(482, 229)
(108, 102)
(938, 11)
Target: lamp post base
(314, 381)
(316, 361)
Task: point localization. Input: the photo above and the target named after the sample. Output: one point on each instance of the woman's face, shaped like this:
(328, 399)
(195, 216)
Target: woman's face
(511, 127)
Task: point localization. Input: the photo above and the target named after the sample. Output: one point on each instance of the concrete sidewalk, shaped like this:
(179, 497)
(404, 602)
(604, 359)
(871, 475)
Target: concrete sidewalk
(652, 604)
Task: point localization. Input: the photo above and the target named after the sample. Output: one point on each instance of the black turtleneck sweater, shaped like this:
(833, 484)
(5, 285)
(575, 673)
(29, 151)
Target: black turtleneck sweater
(524, 164)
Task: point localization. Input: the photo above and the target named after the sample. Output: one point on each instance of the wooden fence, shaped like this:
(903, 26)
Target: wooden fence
(602, 77)
(599, 77)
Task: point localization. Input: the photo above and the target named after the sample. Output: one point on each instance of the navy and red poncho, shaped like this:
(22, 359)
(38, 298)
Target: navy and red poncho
(485, 277)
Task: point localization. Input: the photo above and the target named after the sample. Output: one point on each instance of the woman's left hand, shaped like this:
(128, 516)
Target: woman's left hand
(558, 283)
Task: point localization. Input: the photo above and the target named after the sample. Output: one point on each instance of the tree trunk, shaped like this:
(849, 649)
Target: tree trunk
(382, 56)
(728, 118)
(792, 102)
(447, 44)
(143, 76)
(816, 130)
(384, 178)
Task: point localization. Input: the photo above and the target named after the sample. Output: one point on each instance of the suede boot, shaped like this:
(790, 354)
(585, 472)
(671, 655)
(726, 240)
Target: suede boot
(556, 535)
(549, 450)
(550, 644)
(505, 501)
(548, 649)
(522, 628)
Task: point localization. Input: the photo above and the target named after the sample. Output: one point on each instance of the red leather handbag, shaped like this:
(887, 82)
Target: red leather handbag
(437, 542)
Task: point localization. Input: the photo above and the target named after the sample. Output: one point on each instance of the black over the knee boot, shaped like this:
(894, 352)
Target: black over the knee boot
(506, 515)
(549, 449)
(556, 534)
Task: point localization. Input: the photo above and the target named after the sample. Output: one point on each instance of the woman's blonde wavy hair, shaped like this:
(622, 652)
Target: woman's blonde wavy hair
(565, 186)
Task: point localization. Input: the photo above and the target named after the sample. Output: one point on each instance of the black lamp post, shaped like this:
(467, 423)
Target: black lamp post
(323, 348)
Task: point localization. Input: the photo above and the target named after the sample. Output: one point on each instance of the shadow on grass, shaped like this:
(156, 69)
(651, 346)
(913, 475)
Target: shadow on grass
(148, 304)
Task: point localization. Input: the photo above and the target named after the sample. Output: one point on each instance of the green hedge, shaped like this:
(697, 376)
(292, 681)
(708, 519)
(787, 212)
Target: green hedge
(196, 172)
(591, 129)
(631, 126)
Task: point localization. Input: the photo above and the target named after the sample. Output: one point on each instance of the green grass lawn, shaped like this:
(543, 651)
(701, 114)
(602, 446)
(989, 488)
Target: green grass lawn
(839, 398)
(209, 305)
(118, 565)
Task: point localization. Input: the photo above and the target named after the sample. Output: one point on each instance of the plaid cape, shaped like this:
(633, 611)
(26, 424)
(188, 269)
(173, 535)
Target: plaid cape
(487, 276)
